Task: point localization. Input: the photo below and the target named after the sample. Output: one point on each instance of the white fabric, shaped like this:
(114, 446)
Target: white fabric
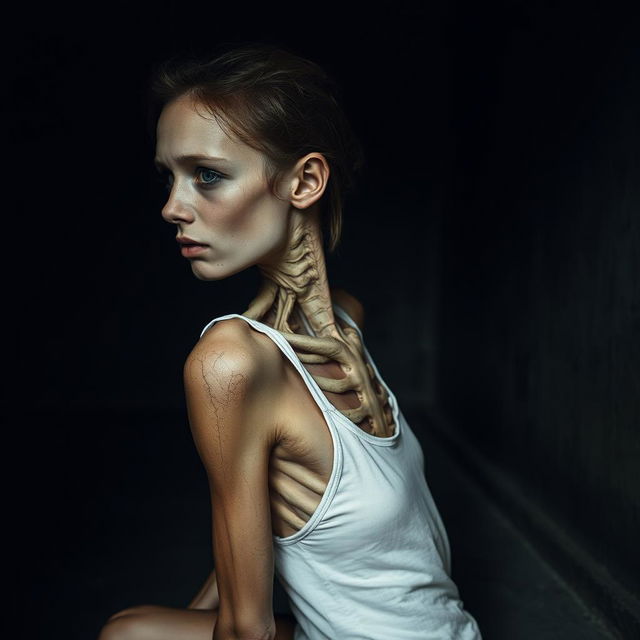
(373, 561)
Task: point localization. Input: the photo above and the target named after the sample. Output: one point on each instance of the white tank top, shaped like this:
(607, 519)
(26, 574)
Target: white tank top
(373, 561)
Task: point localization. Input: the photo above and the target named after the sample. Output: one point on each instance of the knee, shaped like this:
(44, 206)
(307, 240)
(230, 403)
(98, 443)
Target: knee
(139, 610)
(128, 624)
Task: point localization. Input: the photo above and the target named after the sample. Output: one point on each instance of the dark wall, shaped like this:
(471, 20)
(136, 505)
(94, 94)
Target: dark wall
(540, 342)
(509, 128)
(104, 308)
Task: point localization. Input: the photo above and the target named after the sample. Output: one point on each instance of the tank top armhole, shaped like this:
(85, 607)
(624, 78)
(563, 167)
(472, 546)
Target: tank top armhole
(327, 413)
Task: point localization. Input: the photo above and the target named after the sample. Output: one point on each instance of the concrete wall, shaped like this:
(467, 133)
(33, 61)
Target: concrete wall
(540, 323)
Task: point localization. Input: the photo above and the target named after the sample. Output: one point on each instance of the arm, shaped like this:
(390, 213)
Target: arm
(227, 392)
(207, 598)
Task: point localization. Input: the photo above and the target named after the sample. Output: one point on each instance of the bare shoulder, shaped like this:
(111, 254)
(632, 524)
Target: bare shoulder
(233, 363)
(350, 304)
(235, 343)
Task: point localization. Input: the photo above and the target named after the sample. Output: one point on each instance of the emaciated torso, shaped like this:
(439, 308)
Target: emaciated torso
(301, 462)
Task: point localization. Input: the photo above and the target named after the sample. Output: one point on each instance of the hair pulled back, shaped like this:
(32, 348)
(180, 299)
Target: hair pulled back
(276, 102)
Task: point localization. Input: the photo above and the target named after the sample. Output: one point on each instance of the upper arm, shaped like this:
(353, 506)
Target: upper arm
(224, 385)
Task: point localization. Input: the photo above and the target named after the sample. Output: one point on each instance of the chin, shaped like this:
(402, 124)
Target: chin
(205, 271)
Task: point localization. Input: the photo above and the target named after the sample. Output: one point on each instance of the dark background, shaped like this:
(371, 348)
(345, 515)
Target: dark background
(494, 241)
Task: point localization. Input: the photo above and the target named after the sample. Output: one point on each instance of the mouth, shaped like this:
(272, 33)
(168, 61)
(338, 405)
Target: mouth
(185, 241)
(192, 249)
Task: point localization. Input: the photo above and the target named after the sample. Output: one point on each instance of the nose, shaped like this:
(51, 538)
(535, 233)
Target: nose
(176, 208)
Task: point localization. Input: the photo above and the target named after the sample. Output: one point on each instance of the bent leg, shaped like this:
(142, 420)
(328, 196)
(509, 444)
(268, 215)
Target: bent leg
(149, 622)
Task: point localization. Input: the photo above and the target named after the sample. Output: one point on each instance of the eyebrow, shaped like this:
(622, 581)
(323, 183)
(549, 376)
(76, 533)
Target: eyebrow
(189, 158)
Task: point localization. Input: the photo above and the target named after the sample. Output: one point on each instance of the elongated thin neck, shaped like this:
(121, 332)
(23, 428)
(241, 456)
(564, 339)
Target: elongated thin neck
(297, 280)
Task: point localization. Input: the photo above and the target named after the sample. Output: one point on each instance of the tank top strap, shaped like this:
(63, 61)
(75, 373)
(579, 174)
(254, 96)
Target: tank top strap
(338, 418)
(287, 349)
(342, 312)
(395, 407)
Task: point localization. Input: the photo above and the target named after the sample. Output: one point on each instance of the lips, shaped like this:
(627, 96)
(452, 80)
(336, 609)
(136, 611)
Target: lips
(188, 242)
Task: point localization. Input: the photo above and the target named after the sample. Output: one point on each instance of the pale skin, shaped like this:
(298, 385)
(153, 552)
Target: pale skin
(261, 436)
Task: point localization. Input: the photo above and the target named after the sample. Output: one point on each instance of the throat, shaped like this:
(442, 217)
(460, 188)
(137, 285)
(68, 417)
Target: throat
(296, 283)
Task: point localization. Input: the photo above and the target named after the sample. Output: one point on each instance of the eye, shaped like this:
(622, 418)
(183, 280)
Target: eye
(207, 177)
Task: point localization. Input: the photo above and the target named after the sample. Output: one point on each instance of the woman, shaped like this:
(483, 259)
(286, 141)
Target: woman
(313, 471)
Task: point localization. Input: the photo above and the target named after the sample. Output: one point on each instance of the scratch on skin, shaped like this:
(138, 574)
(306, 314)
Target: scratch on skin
(222, 391)
(220, 397)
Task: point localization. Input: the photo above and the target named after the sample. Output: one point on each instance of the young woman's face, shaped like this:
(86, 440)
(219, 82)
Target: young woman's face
(218, 196)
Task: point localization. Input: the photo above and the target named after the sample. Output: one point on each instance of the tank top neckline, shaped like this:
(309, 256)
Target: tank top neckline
(395, 410)
(317, 393)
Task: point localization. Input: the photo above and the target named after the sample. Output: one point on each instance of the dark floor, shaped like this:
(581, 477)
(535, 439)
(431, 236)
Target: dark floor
(123, 518)
(508, 587)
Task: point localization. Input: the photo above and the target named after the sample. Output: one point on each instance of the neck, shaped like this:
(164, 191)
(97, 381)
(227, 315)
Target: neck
(296, 280)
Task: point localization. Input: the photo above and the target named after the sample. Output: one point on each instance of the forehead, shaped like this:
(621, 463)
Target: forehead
(186, 128)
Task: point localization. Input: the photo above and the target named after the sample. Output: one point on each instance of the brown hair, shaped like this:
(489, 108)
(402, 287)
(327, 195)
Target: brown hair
(278, 103)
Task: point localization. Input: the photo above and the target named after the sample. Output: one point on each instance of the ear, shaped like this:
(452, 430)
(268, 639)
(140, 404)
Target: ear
(308, 180)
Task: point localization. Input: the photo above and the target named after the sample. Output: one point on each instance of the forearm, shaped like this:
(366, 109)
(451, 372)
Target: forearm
(207, 597)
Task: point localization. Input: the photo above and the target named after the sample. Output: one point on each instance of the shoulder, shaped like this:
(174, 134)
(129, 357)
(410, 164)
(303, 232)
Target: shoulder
(350, 304)
(232, 364)
(234, 344)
